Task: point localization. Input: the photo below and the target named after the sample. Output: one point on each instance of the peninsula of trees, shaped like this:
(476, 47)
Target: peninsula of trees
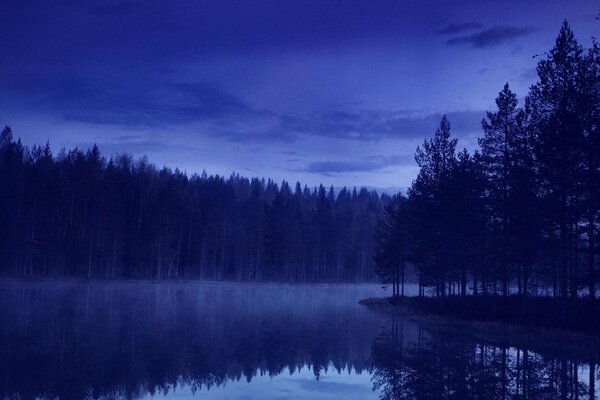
(520, 214)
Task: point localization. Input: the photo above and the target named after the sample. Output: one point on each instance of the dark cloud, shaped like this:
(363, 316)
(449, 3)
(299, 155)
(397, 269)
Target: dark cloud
(375, 125)
(155, 103)
(244, 133)
(369, 164)
(458, 28)
(120, 32)
(139, 103)
(211, 100)
(492, 36)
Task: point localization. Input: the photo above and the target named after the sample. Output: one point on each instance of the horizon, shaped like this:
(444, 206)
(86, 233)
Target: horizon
(391, 190)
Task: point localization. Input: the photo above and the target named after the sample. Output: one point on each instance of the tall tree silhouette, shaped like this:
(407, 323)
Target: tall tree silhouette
(500, 154)
(391, 238)
(589, 102)
(523, 209)
(431, 225)
(558, 129)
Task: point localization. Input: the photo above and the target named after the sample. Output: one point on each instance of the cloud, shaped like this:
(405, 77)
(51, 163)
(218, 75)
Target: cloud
(528, 75)
(368, 164)
(371, 125)
(150, 145)
(209, 99)
(458, 28)
(492, 36)
(214, 110)
(136, 104)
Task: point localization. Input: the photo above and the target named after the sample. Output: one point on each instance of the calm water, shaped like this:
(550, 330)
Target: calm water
(75, 341)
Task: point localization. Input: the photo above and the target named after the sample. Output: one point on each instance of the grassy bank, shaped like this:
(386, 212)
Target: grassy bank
(542, 324)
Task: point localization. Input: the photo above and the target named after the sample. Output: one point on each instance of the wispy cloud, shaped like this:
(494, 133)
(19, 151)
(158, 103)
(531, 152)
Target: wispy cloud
(458, 28)
(368, 164)
(216, 111)
(372, 125)
(492, 36)
(135, 105)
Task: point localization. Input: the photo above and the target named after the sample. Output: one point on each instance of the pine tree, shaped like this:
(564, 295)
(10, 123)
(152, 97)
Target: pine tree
(498, 147)
(431, 224)
(391, 241)
(558, 138)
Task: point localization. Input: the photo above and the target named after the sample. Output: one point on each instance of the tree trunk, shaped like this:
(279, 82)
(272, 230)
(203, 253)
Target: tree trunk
(591, 251)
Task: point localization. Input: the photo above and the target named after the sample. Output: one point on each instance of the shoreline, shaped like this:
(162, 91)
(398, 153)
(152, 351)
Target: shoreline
(553, 341)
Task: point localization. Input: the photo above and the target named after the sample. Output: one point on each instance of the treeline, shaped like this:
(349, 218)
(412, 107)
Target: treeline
(523, 210)
(79, 214)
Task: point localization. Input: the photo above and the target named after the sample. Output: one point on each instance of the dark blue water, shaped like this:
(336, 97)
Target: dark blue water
(201, 341)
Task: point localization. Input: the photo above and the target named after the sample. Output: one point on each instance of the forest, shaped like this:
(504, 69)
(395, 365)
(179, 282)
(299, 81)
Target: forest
(520, 214)
(78, 214)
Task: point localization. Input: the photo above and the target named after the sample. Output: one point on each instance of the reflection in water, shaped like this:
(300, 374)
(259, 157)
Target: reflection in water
(121, 340)
(410, 362)
(74, 341)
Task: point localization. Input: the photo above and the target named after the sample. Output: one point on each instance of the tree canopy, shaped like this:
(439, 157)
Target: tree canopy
(522, 210)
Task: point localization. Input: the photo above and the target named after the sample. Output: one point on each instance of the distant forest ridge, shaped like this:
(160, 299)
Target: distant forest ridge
(81, 215)
(522, 210)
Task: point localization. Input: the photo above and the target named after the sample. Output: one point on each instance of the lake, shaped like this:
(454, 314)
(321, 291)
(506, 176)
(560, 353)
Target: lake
(230, 341)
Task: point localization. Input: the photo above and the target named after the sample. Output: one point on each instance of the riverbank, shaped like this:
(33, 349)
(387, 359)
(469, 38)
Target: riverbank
(563, 328)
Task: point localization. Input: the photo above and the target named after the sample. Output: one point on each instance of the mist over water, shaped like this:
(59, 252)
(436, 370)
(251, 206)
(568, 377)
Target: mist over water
(122, 340)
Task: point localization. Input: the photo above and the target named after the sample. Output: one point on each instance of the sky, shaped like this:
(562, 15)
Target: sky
(316, 91)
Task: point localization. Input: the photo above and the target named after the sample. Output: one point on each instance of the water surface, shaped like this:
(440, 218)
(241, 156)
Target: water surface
(203, 341)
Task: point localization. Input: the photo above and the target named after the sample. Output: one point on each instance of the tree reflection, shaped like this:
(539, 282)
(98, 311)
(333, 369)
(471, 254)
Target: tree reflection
(127, 341)
(416, 363)
(111, 341)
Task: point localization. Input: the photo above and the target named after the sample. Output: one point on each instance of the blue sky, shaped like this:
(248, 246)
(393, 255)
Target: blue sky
(339, 92)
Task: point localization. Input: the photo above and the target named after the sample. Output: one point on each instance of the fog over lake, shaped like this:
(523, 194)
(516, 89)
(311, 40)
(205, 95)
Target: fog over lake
(227, 341)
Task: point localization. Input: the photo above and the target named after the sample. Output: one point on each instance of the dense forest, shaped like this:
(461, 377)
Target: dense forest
(522, 212)
(79, 214)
